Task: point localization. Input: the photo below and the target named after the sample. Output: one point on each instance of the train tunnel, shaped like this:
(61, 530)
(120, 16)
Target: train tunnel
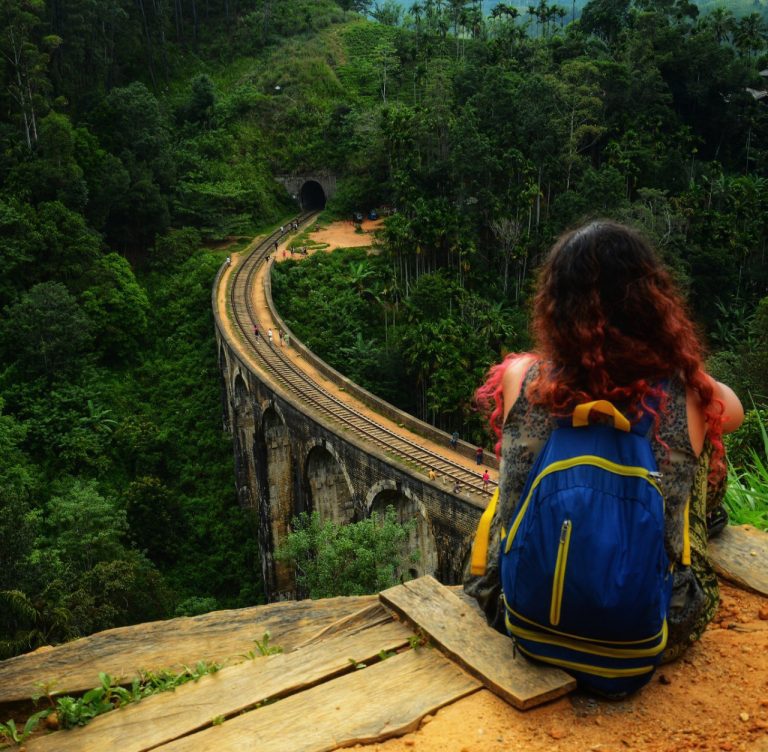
(312, 196)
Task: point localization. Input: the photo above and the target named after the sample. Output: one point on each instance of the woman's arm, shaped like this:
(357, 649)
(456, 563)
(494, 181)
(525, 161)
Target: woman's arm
(733, 413)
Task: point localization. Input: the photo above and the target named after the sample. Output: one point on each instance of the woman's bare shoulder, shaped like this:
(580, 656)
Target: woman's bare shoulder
(514, 375)
(733, 412)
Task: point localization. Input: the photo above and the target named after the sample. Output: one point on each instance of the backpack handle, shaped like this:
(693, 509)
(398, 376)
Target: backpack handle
(581, 414)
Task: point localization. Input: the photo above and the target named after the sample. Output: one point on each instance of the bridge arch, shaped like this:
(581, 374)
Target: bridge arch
(279, 481)
(328, 486)
(407, 507)
(312, 196)
(243, 429)
(223, 382)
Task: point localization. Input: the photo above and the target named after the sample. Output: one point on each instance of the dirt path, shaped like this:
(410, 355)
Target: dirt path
(337, 235)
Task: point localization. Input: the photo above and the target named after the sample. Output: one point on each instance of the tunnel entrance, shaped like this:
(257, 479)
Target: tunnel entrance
(312, 196)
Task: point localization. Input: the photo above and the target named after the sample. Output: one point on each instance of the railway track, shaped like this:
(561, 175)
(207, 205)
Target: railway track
(296, 382)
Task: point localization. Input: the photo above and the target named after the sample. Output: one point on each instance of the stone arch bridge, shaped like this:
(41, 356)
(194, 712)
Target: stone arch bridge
(291, 458)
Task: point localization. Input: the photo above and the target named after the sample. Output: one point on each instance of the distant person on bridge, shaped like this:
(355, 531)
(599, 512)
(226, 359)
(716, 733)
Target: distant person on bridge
(612, 334)
(269, 336)
(479, 455)
(486, 480)
(456, 486)
(454, 439)
(432, 474)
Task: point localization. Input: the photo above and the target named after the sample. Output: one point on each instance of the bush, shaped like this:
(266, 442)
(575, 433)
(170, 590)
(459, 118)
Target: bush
(357, 559)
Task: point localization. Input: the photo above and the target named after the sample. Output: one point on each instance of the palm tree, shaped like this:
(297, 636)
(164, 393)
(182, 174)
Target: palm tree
(751, 34)
(721, 22)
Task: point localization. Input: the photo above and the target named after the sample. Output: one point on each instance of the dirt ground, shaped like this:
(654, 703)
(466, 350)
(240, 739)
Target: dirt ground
(715, 698)
(344, 235)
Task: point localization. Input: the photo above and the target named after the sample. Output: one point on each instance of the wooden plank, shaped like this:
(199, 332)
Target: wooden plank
(740, 554)
(465, 637)
(384, 700)
(221, 636)
(365, 618)
(170, 715)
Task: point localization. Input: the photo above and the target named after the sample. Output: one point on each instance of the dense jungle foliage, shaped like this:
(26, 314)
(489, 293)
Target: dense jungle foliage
(137, 138)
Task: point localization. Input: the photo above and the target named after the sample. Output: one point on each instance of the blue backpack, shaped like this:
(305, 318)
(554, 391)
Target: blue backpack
(585, 576)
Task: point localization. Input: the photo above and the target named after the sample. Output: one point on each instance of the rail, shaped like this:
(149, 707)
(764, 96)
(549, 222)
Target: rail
(312, 396)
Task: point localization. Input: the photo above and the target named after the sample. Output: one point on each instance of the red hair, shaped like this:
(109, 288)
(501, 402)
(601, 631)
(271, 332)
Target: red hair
(609, 323)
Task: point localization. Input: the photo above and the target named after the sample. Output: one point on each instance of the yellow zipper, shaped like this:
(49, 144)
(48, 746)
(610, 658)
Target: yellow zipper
(592, 649)
(586, 459)
(558, 581)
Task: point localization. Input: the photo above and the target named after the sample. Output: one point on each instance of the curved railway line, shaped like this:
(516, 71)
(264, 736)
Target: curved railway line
(311, 394)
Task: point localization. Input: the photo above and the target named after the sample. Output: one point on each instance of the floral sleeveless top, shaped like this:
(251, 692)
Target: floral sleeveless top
(528, 427)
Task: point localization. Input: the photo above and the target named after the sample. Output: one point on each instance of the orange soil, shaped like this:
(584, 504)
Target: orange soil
(714, 698)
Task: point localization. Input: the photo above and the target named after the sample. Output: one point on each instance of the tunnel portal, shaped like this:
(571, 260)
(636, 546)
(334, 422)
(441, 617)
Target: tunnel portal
(312, 196)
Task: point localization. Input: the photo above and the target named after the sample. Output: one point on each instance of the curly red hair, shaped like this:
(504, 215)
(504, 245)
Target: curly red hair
(609, 323)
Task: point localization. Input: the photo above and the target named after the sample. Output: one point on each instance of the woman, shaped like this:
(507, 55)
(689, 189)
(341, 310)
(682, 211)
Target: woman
(609, 323)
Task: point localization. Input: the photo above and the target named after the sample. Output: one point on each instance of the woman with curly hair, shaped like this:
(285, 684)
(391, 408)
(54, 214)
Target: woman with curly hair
(609, 324)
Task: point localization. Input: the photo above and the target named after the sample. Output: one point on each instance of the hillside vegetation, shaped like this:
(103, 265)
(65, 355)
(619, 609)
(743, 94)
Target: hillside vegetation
(139, 139)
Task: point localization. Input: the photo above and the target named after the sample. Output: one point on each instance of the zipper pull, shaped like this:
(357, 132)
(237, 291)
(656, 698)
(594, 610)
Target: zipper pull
(655, 474)
(564, 530)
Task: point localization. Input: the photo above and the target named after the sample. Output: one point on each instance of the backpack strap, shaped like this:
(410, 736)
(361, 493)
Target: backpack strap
(479, 561)
(581, 414)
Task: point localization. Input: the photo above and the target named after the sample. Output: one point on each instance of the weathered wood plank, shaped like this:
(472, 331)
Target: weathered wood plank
(384, 700)
(365, 618)
(220, 636)
(740, 554)
(465, 637)
(170, 715)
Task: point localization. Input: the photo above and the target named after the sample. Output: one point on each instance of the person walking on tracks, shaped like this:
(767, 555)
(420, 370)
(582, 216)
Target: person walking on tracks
(454, 439)
(269, 336)
(256, 333)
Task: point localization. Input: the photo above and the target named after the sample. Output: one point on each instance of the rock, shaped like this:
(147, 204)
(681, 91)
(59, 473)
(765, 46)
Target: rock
(763, 613)
(727, 746)
(427, 719)
(52, 721)
(744, 716)
(409, 743)
(556, 732)
(664, 679)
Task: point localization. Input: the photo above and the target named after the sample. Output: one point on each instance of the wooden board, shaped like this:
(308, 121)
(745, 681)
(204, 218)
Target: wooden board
(375, 703)
(170, 715)
(365, 618)
(221, 636)
(740, 554)
(465, 637)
